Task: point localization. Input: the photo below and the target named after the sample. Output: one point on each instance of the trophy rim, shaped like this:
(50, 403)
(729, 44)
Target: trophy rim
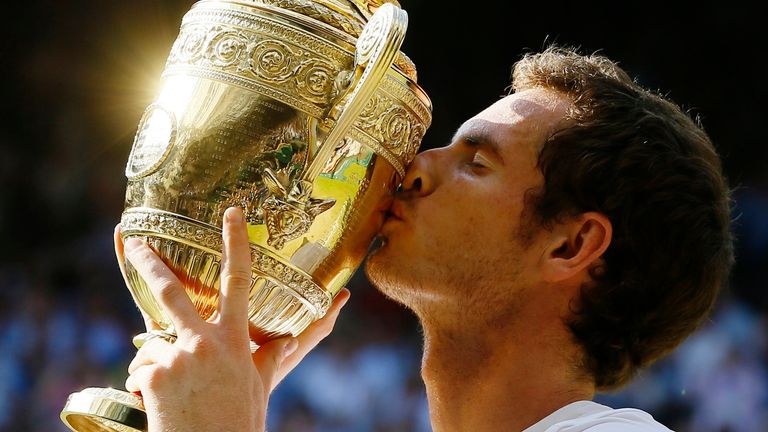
(318, 28)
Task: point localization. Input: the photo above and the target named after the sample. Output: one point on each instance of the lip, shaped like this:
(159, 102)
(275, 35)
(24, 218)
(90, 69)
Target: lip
(396, 211)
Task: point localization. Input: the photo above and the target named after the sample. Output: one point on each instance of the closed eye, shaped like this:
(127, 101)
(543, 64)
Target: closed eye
(480, 161)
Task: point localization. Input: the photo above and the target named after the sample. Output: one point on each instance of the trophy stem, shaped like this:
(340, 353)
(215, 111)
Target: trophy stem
(104, 410)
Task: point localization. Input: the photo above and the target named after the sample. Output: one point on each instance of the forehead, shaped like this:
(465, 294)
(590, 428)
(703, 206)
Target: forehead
(520, 121)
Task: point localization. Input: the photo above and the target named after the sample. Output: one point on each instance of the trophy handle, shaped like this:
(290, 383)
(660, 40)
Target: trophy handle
(375, 52)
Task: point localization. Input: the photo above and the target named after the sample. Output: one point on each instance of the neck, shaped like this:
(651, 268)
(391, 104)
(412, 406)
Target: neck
(499, 377)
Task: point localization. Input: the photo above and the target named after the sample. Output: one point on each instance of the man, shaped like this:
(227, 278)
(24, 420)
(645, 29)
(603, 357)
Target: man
(572, 233)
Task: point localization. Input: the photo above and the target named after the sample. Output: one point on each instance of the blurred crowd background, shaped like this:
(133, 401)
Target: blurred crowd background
(77, 75)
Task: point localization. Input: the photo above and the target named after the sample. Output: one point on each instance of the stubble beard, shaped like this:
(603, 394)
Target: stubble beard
(384, 277)
(400, 280)
(445, 295)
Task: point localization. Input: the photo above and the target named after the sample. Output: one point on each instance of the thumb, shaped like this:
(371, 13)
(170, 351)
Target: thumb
(269, 357)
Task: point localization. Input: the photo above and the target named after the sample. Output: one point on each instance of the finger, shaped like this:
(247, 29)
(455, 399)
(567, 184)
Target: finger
(269, 358)
(120, 253)
(132, 384)
(154, 351)
(165, 286)
(236, 272)
(321, 328)
(138, 381)
(149, 323)
(313, 335)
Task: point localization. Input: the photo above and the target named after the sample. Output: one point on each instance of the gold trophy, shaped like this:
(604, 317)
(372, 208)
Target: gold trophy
(303, 113)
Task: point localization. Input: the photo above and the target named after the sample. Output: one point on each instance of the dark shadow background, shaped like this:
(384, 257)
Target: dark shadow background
(77, 75)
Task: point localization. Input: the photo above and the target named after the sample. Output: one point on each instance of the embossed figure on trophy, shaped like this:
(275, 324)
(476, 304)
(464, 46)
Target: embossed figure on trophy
(272, 192)
(285, 151)
(290, 210)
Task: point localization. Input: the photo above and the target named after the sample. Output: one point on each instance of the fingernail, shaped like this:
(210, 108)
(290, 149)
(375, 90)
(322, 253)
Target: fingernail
(131, 244)
(234, 215)
(290, 347)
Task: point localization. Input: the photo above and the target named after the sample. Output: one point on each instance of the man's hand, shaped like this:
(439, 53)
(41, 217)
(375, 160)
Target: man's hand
(208, 380)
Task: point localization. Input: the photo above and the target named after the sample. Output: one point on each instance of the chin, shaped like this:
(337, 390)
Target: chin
(384, 273)
(377, 265)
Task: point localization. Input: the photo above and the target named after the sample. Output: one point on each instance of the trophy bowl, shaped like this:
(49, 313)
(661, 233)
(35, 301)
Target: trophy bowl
(304, 114)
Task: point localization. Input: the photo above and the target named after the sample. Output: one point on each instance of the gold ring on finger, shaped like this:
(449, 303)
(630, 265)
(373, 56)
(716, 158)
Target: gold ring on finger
(140, 339)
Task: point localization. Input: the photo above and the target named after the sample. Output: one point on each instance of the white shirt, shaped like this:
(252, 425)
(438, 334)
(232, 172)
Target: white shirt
(588, 416)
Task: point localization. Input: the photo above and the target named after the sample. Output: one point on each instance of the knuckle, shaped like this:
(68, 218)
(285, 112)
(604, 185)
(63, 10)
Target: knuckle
(153, 377)
(326, 330)
(166, 288)
(140, 378)
(198, 345)
(276, 361)
(202, 347)
(237, 278)
(175, 360)
(142, 254)
(326, 327)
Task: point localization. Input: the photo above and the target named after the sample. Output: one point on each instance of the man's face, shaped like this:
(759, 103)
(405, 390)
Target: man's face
(454, 239)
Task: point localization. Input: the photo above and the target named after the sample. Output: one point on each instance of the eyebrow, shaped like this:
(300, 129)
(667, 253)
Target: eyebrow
(476, 136)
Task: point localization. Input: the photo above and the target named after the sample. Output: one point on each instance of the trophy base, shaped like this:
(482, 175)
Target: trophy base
(104, 410)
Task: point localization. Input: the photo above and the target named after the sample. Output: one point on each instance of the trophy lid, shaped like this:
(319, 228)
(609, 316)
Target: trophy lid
(348, 16)
(354, 8)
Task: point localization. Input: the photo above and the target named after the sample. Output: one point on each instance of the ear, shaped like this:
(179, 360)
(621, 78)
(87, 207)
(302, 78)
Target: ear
(576, 245)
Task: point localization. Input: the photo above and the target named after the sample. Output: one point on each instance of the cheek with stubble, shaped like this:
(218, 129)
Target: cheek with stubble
(386, 272)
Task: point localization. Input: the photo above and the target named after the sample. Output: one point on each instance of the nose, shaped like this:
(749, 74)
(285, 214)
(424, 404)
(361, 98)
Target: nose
(420, 179)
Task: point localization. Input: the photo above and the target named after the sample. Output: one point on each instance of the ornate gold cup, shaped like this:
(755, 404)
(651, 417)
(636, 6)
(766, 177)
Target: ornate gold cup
(305, 114)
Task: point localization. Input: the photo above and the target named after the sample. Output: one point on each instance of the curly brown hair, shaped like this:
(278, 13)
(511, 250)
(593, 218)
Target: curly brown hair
(641, 161)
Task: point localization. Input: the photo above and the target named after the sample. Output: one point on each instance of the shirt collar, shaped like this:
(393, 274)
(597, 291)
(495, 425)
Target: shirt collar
(569, 412)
